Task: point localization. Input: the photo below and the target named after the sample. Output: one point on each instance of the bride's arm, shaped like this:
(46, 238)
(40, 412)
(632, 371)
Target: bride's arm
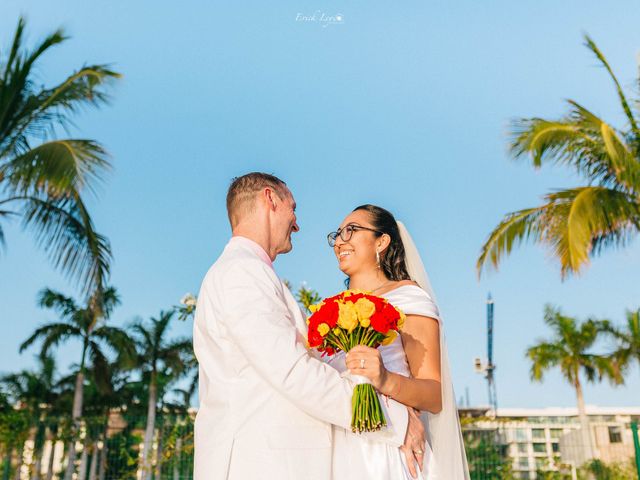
(421, 339)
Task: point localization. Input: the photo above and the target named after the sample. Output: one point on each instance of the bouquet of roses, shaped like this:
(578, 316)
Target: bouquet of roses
(356, 318)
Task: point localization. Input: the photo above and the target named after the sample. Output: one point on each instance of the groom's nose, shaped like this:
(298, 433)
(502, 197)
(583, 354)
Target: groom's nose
(295, 228)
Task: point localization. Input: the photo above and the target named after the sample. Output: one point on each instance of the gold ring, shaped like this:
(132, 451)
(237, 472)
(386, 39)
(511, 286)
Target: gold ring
(362, 363)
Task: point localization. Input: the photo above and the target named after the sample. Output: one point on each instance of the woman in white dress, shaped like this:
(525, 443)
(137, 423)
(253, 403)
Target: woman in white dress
(377, 255)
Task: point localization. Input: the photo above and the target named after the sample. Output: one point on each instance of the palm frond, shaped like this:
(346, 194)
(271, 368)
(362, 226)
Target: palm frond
(591, 45)
(60, 303)
(119, 341)
(543, 356)
(80, 88)
(142, 336)
(579, 221)
(4, 214)
(176, 353)
(38, 113)
(100, 366)
(161, 324)
(574, 223)
(51, 335)
(57, 168)
(16, 98)
(582, 141)
(612, 159)
(514, 229)
(15, 48)
(66, 232)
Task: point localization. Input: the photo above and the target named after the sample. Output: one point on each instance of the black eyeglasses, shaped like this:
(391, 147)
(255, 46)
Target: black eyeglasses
(346, 233)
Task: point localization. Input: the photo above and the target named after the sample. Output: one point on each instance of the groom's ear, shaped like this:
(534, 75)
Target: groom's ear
(269, 195)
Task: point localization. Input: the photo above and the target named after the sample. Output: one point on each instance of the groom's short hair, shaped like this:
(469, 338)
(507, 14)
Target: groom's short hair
(241, 197)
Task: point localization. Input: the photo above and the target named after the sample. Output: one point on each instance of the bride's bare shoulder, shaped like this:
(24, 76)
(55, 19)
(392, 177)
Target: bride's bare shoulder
(403, 283)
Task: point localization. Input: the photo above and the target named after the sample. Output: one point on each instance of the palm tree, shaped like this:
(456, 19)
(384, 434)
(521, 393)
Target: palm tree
(576, 223)
(36, 390)
(307, 297)
(37, 393)
(86, 324)
(161, 361)
(570, 350)
(107, 390)
(627, 339)
(43, 179)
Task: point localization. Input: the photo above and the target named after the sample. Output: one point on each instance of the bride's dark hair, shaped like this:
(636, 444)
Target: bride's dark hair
(392, 260)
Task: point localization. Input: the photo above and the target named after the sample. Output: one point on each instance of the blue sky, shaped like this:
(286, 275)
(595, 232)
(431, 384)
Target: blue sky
(405, 105)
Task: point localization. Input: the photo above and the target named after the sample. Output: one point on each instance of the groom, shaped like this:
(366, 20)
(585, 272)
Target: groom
(266, 404)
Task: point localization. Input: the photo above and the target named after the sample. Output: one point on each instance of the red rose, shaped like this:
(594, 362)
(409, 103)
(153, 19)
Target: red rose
(379, 323)
(315, 339)
(379, 302)
(355, 297)
(385, 319)
(328, 314)
(328, 351)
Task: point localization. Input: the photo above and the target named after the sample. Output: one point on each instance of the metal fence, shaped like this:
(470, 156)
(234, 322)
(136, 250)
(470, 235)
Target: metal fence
(110, 448)
(520, 451)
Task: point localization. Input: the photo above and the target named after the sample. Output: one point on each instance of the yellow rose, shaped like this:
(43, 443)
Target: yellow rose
(403, 317)
(391, 336)
(323, 329)
(365, 308)
(336, 331)
(365, 322)
(347, 317)
(315, 308)
(348, 293)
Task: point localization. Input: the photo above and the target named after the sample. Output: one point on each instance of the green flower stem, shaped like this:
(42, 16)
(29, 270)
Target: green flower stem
(367, 415)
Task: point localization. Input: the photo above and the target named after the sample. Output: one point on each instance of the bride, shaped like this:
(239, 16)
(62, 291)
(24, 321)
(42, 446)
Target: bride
(377, 255)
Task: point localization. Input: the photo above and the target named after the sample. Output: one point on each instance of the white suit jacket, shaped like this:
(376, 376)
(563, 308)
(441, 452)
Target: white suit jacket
(266, 404)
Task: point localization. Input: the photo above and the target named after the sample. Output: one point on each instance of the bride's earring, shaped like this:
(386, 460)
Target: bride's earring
(378, 258)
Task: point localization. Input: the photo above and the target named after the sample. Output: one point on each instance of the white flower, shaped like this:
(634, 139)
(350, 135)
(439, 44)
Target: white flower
(188, 300)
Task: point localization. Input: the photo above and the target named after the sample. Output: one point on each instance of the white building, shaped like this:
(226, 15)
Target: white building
(550, 439)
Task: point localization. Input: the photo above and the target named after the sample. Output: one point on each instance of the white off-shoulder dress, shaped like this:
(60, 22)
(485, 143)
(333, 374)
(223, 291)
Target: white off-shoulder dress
(358, 457)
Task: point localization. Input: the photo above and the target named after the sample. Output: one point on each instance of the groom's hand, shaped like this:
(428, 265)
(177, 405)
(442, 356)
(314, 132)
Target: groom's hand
(414, 442)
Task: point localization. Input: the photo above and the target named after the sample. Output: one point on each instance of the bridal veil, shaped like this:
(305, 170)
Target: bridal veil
(444, 434)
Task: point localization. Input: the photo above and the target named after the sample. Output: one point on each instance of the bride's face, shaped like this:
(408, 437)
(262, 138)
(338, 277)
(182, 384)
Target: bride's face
(358, 253)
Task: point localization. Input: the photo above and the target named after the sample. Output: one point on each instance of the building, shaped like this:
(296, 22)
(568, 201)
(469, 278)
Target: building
(551, 439)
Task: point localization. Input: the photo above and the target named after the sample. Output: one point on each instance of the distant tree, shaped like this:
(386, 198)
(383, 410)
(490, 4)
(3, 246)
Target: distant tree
(571, 350)
(160, 362)
(87, 325)
(627, 338)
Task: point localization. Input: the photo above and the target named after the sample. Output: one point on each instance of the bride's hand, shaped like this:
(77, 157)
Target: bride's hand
(367, 361)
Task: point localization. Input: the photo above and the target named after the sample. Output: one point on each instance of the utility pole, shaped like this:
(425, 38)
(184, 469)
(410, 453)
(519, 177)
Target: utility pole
(489, 367)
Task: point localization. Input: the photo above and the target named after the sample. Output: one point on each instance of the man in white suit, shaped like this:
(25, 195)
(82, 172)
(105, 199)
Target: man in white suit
(266, 404)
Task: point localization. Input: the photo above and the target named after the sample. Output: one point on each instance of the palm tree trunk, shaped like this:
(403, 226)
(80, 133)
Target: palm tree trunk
(103, 455)
(93, 469)
(584, 421)
(148, 434)
(159, 453)
(20, 459)
(177, 458)
(76, 413)
(51, 457)
(38, 465)
(7, 464)
(38, 449)
(82, 470)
